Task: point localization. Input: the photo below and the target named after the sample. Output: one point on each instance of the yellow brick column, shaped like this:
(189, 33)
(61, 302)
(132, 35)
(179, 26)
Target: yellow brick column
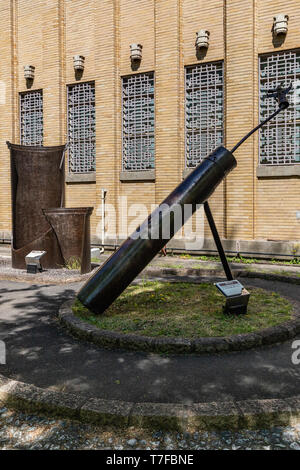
(240, 81)
(107, 90)
(52, 74)
(169, 84)
(7, 108)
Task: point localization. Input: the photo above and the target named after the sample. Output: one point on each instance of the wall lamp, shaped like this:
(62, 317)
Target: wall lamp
(202, 39)
(280, 24)
(136, 52)
(29, 72)
(78, 62)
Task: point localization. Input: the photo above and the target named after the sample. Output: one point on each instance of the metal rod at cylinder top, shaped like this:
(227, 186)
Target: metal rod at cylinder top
(139, 249)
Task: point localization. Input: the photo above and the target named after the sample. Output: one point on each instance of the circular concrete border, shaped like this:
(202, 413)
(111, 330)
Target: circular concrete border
(114, 340)
(249, 414)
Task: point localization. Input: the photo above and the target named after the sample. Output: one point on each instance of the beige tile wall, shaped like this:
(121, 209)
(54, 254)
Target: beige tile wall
(48, 33)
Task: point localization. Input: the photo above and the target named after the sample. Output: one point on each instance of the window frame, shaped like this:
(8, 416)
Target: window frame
(74, 176)
(142, 171)
(21, 94)
(190, 66)
(261, 165)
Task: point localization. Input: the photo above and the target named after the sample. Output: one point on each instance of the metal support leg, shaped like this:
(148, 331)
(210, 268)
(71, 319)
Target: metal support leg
(218, 242)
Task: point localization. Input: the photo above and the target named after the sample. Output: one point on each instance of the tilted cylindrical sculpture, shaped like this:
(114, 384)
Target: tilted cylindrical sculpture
(72, 228)
(140, 248)
(37, 182)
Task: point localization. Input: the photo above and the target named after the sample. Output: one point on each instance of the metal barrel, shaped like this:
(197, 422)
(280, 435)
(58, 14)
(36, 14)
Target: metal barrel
(110, 280)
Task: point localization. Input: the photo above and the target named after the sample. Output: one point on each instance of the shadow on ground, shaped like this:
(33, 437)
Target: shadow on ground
(40, 352)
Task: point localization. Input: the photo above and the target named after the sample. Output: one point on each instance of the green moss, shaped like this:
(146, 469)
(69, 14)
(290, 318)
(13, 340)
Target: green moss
(241, 259)
(184, 309)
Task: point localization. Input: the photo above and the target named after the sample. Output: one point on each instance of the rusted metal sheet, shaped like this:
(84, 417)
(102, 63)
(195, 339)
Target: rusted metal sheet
(37, 182)
(72, 228)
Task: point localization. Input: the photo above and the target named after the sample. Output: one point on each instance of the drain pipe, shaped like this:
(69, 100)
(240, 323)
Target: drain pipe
(103, 196)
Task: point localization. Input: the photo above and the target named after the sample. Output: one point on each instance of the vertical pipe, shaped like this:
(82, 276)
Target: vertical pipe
(103, 196)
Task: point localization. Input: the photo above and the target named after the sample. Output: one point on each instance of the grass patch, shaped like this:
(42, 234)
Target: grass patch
(184, 309)
(173, 265)
(73, 263)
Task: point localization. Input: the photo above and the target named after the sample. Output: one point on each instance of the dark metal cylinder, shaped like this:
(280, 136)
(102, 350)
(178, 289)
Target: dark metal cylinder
(139, 249)
(72, 228)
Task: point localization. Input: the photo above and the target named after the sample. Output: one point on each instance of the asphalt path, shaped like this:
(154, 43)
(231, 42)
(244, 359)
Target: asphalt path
(41, 352)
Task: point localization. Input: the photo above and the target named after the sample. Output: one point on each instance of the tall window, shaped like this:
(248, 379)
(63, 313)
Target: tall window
(81, 127)
(138, 122)
(279, 139)
(203, 111)
(31, 118)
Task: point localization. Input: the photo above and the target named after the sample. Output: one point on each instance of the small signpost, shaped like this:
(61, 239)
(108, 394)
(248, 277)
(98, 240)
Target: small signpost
(236, 295)
(230, 288)
(33, 261)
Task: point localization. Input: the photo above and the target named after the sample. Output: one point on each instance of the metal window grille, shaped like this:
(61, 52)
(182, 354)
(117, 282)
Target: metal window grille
(203, 111)
(138, 140)
(81, 127)
(279, 138)
(31, 118)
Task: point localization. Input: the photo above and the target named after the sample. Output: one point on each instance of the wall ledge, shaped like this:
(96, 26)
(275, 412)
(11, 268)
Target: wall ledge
(81, 177)
(277, 171)
(147, 175)
(255, 248)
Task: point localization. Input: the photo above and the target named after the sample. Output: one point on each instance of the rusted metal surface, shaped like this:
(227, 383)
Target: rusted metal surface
(141, 247)
(37, 182)
(72, 228)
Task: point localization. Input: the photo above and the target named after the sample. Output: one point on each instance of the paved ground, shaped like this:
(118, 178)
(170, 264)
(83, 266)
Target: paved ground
(40, 352)
(21, 431)
(65, 275)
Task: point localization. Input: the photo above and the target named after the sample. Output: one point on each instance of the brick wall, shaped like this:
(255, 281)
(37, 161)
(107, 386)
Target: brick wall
(48, 33)
(8, 78)
(277, 199)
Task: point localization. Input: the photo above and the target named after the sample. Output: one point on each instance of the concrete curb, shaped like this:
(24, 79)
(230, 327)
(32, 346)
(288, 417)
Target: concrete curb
(249, 414)
(238, 272)
(114, 340)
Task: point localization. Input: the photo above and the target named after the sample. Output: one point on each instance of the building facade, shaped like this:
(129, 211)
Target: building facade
(136, 128)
